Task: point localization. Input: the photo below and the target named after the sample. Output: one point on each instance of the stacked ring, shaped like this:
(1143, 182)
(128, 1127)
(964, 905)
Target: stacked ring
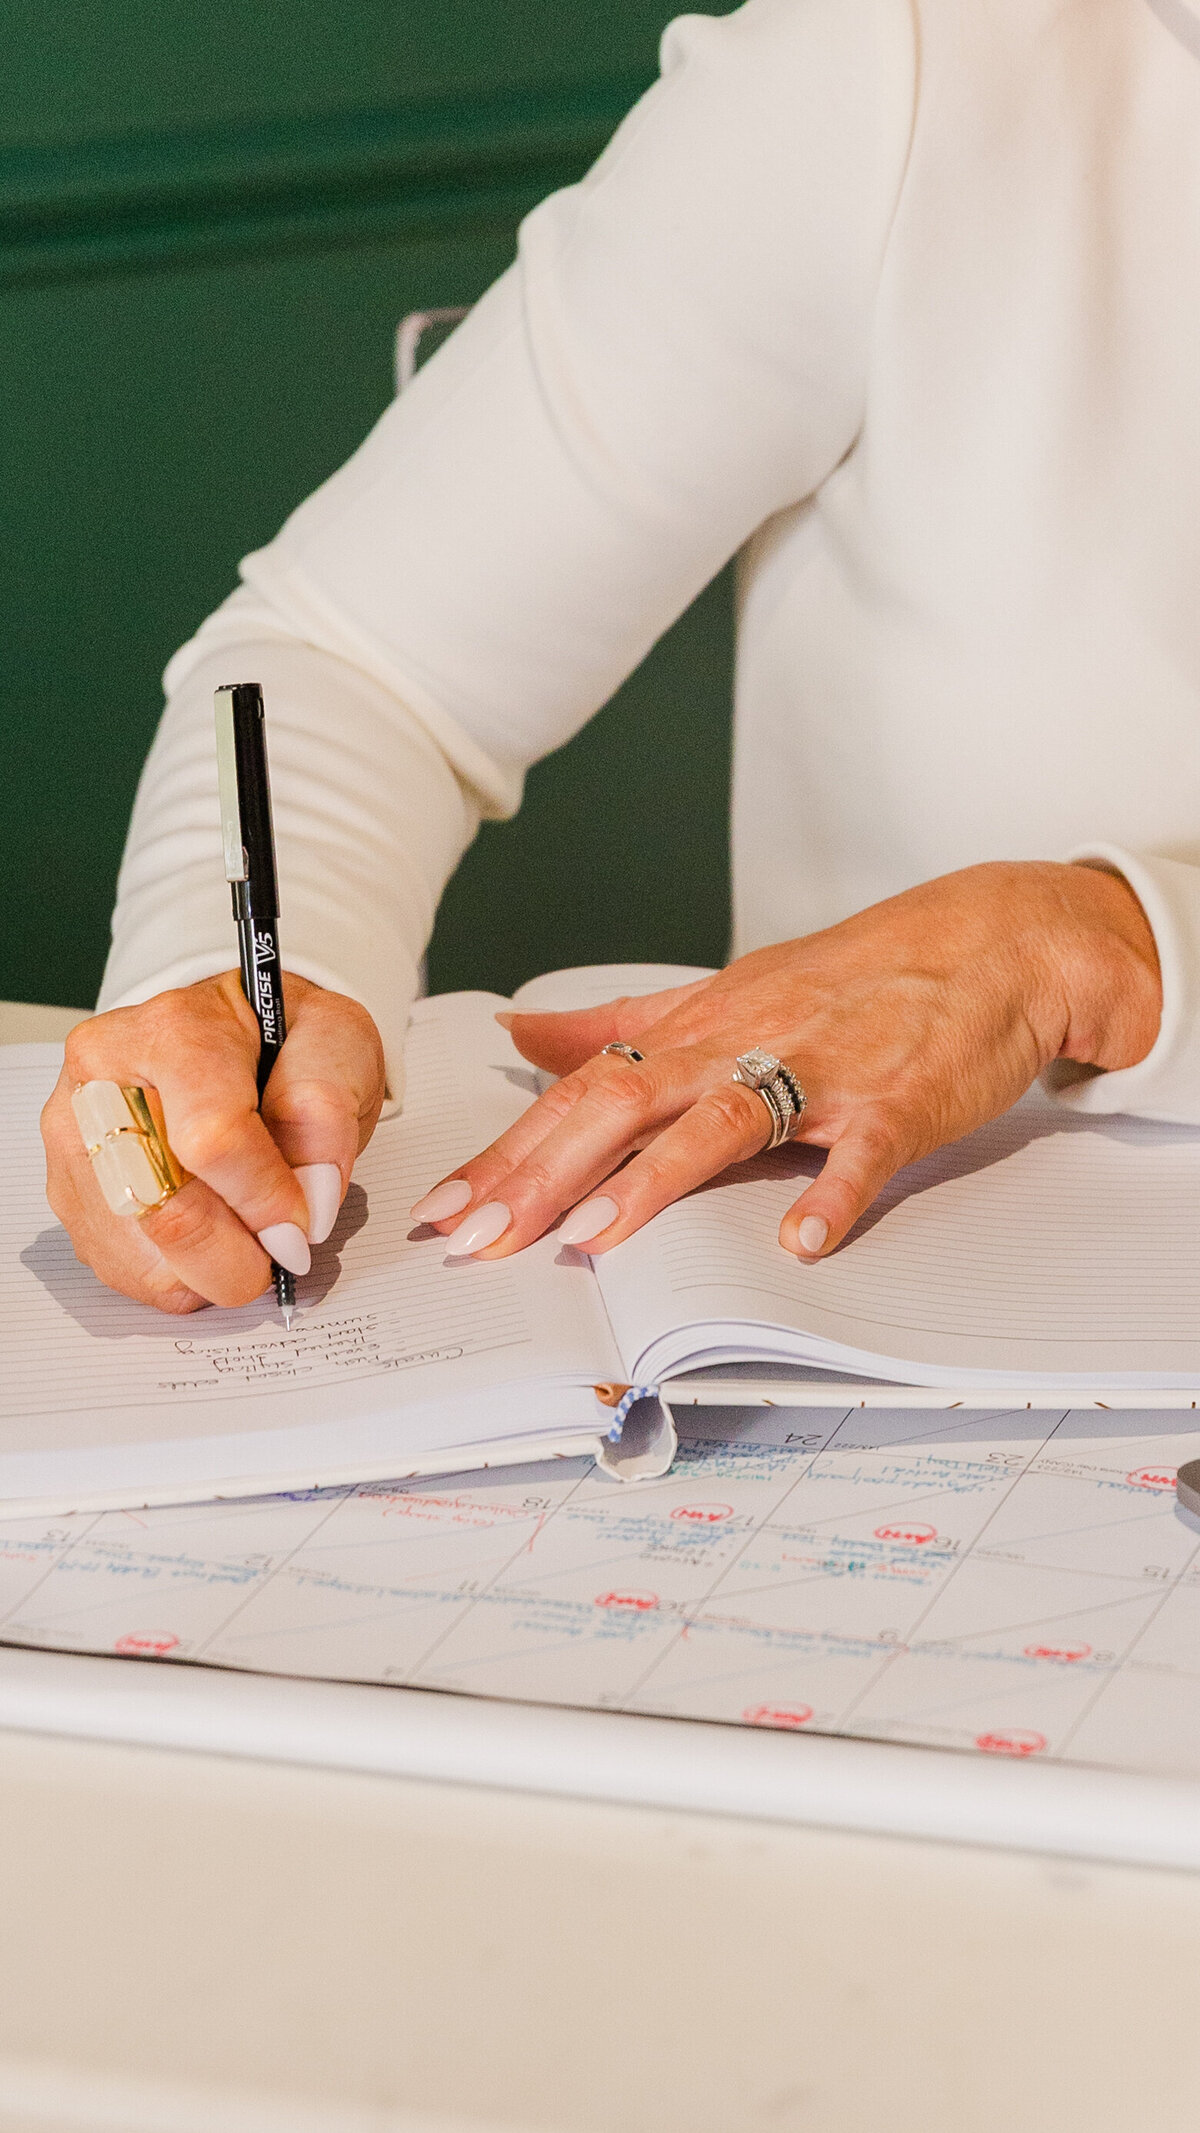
(132, 1164)
(778, 1087)
(623, 1051)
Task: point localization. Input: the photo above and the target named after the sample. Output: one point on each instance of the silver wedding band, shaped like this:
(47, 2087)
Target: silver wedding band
(778, 1087)
(624, 1051)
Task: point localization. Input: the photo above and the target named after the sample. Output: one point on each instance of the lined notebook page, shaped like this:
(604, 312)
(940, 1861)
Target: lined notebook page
(1046, 1244)
(386, 1318)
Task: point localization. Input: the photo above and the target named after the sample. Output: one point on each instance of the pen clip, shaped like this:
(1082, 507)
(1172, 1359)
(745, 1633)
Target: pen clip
(237, 865)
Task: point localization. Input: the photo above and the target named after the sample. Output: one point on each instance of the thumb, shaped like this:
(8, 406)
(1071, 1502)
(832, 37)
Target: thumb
(561, 1042)
(324, 1097)
(857, 1167)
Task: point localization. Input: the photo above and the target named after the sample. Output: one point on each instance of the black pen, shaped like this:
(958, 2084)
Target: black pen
(248, 836)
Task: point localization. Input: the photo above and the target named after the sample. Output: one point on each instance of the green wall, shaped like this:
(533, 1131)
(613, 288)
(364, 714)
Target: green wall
(211, 217)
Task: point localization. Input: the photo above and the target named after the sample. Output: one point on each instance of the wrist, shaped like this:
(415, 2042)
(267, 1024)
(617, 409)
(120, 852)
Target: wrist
(1106, 965)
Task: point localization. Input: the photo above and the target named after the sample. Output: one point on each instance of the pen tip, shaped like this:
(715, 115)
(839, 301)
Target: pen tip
(287, 1313)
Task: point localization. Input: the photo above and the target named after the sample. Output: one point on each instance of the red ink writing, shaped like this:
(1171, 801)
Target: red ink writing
(782, 1715)
(1016, 1743)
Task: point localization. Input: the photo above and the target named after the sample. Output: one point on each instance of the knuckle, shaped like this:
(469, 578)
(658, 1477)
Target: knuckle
(622, 1090)
(539, 1181)
(59, 1198)
(882, 1139)
(170, 1010)
(53, 1122)
(75, 1049)
(735, 1111)
(561, 1098)
(187, 1223)
(657, 1180)
(311, 1099)
(206, 1139)
(168, 1293)
(358, 1019)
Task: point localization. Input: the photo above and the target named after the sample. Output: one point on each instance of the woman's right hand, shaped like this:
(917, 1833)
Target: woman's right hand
(278, 1176)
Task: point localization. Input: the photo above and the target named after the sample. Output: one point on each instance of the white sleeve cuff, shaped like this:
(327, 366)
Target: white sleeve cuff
(1166, 1083)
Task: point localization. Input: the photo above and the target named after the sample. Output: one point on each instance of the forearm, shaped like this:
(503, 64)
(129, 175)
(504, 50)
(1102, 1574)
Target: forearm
(370, 822)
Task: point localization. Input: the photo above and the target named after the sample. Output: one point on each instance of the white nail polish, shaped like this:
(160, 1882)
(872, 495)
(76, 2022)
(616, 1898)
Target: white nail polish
(484, 1227)
(442, 1202)
(321, 1184)
(587, 1220)
(813, 1232)
(288, 1245)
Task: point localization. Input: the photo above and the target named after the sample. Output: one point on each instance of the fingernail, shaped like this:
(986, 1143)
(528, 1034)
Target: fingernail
(443, 1201)
(506, 1021)
(321, 1184)
(480, 1229)
(813, 1231)
(287, 1245)
(588, 1219)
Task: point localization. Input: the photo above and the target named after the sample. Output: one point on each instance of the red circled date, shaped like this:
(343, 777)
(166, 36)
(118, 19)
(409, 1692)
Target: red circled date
(785, 1717)
(906, 1533)
(1018, 1742)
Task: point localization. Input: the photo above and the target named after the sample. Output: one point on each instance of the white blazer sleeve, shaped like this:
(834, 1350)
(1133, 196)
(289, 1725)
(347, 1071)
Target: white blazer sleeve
(679, 352)
(370, 820)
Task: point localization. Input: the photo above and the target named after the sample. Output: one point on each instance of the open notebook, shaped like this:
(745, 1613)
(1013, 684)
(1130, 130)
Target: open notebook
(1047, 1249)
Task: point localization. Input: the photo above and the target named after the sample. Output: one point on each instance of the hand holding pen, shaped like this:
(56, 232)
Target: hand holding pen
(258, 1183)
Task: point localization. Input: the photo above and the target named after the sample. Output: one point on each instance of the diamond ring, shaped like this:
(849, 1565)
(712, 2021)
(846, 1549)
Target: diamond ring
(778, 1087)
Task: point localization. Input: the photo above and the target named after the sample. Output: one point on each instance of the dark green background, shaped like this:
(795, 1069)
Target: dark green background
(212, 215)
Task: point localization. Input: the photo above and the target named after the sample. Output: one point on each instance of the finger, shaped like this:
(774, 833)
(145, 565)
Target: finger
(443, 1205)
(121, 1253)
(726, 1125)
(858, 1166)
(200, 1049)
(561, 1042)
(619, 1106)
(206, 1247)
(323, 1099)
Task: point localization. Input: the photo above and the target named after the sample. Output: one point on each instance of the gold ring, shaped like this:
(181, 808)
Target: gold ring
(133, 1166)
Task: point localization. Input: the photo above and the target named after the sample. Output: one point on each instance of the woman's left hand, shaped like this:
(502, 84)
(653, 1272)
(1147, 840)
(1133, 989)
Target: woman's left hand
(907, 1025)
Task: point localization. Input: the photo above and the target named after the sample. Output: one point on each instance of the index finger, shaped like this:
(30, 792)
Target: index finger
(560, 1042)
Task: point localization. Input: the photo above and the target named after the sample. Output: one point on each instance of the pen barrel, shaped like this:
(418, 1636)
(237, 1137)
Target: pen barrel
(262, 978)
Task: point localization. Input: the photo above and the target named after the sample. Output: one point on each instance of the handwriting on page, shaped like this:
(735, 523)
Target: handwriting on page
(358, 1341)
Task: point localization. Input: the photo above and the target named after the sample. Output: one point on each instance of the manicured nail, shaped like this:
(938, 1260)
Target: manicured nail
(506, 1021)
(480, 1229)
(588, 1219)
(321, 1184)
(287, 1245)
(813, 1231)
(444, 1201)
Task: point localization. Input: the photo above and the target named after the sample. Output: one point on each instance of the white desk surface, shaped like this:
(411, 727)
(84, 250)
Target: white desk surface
(198, 1944)
(201, 1945)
